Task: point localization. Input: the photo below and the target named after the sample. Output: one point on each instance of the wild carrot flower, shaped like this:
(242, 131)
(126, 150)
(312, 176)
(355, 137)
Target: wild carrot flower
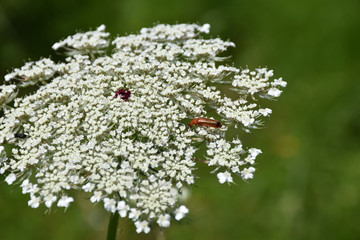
(112, 120)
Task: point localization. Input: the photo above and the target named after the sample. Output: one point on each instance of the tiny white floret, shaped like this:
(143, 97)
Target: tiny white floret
(49, 200)
(164, 220)
(122, 208)
(181, 212)
(110, 204)
(10, 178)
(34, 202)
(224, 177)
(142, 226)
(247, 173)
(96, 197)
(254, 152)
(274, 92)
(65, 201)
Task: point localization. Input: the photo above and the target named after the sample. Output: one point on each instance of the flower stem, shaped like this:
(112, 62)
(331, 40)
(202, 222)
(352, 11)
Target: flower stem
(112, 227)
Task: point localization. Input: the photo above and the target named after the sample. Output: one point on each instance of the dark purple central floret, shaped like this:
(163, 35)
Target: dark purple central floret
(124, 94)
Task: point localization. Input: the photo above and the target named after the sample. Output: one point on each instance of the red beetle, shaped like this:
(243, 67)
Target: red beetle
(207, 122)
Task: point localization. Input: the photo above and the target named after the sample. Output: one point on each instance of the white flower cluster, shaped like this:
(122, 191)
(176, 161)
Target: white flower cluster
(116, 126)
(7, 94)
(258, 82)
(33, 72)
(89, 42)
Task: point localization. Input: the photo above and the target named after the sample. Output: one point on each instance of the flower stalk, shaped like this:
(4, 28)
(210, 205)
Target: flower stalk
(113, 226)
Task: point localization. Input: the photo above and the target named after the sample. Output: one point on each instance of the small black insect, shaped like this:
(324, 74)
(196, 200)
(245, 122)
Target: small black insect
(21, 135)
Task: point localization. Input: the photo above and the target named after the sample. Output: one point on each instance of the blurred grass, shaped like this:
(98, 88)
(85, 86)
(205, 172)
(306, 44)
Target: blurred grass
(307, 180)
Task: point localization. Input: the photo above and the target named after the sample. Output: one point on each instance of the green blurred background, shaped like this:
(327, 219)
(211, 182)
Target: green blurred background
(307, 180)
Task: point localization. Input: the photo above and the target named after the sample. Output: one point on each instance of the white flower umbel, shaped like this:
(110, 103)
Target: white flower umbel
(116, 125)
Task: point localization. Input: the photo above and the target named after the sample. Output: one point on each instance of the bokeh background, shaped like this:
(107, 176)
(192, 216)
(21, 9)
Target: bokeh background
(307, 180)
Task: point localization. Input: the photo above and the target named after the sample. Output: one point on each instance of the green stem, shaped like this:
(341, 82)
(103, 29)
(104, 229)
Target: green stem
(112, 227)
